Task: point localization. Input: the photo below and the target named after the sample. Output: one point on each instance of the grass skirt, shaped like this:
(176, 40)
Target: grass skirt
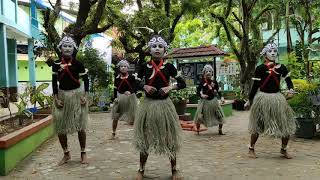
(209, 113)
(124, 108)
(157, 127)
(271, 115)
(73, 116)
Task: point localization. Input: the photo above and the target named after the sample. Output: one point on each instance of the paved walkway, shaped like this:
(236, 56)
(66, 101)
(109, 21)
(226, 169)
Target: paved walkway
(205, 157)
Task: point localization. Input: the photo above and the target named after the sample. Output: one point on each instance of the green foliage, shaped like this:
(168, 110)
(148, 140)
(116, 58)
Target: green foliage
(33, 96)
(98, 74)
(301, 102)
(296, 66)
(23, 103)
(158, 15)
(192, 32)
(38, 96)
(183, 94)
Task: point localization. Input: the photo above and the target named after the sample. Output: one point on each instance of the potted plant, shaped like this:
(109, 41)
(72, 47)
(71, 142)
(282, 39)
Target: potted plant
(307, 113)
(180, 98)
(238, 103)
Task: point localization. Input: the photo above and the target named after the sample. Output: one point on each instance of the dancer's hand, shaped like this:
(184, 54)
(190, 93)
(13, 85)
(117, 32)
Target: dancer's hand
(204, 96)
(127, 93)
(247, 105)
(290, 94)
(59, 103)
(165, 90)
(83, 100)
(149, 89)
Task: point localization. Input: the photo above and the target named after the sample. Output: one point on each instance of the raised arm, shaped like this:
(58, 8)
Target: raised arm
(180, 81)
(83, 73)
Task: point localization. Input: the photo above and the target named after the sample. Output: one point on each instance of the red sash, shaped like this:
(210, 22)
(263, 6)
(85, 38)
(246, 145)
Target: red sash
(206, 82)
(271, 74)
(125, 80)
(158, 72)
(66, 70)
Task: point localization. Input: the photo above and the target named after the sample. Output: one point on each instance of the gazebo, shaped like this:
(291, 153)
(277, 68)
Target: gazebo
(194, 53)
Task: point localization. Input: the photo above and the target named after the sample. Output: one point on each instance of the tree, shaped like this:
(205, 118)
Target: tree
(155, 14)
(243, 31)
(195, 31)
(98, 74)
(305, 16)
(90, 20)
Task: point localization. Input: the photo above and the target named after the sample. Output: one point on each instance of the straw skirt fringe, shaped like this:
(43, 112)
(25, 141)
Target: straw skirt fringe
(73, 116)
(271, 115)
(157, 127)
(124, 108)
(209, 113)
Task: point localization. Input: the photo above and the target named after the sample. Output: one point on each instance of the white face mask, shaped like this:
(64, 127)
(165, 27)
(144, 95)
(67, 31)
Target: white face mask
(272, 54)
(67, 49)
(157, 50)
(123, 69)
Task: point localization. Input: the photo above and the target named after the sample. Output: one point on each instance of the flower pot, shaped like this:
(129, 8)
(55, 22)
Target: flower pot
(181, 107)
(238, 104)
(306, 128)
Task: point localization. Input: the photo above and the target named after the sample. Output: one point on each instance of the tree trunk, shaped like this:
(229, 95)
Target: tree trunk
(289, 41)
(246, 75)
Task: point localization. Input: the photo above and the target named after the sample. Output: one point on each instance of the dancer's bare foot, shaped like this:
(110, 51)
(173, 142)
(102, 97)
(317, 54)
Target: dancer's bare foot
(176, 175)
(252, 154)
(285, 154)
(84, 159)
(139, 175)
(220, 132)
(113, 136)
(65, 159)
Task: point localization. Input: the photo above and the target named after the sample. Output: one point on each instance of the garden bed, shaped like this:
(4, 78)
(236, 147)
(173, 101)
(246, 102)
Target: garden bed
(16, 142)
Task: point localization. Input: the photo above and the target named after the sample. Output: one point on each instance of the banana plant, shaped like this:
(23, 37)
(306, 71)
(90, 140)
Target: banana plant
(38, 96)
(23, 113)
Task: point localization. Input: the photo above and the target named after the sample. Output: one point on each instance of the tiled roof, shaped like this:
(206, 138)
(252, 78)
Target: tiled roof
(200, 51)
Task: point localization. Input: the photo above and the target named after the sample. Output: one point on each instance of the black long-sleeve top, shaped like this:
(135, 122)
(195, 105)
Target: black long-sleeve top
(70, 79)
(205, 89)
(267, 79)
(123, 84)
(147, 71)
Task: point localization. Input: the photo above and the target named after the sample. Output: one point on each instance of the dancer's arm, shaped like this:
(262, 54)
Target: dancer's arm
(256, 84)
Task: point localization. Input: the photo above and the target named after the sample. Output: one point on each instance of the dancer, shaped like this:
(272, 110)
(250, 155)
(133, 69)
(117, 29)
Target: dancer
(124, 107)
(209, 111)
(70, 110)
(157, 126)
(270, 112)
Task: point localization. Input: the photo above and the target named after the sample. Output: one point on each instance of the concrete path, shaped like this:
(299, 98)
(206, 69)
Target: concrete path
(205, 157)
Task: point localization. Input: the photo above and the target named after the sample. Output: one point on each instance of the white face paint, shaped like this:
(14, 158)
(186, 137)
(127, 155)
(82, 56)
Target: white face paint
(157, 50)
(208, 74)
(67, 49)
(272, 54)
(123, 69)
